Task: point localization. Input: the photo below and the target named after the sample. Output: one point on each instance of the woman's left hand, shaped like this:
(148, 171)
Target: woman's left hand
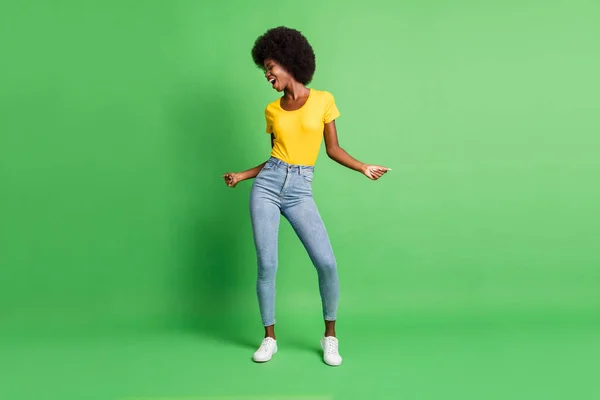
(374, 172)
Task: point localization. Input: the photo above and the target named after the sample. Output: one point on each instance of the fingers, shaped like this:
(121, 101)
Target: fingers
(375, 172)
(229, 179)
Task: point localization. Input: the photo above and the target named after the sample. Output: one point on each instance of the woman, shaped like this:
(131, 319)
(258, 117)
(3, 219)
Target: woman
(297, 123)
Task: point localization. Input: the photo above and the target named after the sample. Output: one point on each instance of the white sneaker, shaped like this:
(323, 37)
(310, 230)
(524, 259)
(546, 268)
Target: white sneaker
(267, 348)
(331, 356)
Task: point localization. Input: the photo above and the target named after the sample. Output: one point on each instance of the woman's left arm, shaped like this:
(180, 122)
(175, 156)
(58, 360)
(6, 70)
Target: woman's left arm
(339, 155)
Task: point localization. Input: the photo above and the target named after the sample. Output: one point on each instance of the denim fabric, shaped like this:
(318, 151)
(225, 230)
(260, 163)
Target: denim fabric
(286, 189)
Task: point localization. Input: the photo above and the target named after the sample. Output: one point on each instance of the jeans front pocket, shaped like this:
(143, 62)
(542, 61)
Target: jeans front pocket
(307, 176)
(268, 165)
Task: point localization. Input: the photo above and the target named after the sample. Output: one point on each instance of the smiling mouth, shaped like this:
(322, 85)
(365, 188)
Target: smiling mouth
(272, 81)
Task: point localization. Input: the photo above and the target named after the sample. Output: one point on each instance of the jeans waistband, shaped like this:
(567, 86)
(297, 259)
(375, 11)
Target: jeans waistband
(291, 167)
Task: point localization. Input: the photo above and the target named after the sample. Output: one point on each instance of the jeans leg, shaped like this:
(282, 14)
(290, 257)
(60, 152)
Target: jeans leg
(306, 221)
(265, 216)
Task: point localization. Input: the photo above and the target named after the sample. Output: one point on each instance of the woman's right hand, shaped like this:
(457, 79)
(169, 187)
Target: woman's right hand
(374, 172)
(231, 179)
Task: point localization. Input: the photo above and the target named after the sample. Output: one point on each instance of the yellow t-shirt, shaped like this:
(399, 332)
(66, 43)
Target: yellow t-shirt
(298, 134)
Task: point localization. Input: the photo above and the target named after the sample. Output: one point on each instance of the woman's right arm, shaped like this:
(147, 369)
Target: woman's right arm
(233, 178)
(250, 173)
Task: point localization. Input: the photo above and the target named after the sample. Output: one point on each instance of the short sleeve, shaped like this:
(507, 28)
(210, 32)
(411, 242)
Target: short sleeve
(269, 121)
(331, 110)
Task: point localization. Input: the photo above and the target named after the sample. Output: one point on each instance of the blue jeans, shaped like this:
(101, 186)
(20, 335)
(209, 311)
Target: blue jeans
(285, 189)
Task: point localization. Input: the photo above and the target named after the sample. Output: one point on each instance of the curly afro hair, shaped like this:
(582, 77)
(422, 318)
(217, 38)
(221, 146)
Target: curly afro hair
(290, 49)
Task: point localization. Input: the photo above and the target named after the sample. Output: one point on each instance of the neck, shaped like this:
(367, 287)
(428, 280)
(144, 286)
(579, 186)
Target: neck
(295, 90)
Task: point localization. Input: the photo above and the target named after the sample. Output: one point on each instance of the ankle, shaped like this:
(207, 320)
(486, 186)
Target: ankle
(270, 331)
(329, 328)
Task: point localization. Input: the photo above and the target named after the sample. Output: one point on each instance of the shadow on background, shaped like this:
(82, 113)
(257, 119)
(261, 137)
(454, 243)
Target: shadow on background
(214, 269)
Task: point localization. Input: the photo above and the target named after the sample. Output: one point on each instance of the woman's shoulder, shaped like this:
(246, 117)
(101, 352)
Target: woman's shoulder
(272, 105)
(273, 102)
(321, 93)
(323, 97)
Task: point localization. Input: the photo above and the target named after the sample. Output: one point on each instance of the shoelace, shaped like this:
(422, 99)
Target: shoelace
(331, 347)
(264, 346)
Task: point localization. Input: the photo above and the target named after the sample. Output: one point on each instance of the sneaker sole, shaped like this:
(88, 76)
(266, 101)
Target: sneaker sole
(264, 361)
(332, 365)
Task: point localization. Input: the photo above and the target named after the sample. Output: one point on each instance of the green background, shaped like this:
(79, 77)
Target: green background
(471, 270)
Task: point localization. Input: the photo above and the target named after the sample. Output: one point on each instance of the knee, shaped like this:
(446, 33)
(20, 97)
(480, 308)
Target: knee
(327, 266)
(266, 272)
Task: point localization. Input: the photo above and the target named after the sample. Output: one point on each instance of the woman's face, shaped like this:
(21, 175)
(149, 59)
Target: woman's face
(277, 76)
